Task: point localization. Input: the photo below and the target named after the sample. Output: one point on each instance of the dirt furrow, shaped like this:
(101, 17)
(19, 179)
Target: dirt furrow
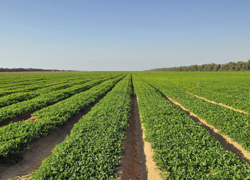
(133, 161)
(40, 149)
(27, 116)
(226, 141)
(213, 102)
(20, 118)
(153, 172)
(137, 162)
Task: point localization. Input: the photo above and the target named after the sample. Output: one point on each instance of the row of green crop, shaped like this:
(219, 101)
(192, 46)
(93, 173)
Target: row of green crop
(230, 88)
(229, 122)
(93, 149)
(23, 88)
(182, 147)
(22, 96)
(26, 83)
(13, 81)
(41, 85)
(8, 81)
(26, 93)
(16, 137)
(7, 113)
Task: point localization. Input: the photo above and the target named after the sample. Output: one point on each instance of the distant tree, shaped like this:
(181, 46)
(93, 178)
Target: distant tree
(194, 68)
(248, 65)
(216, 67)
(231, 66)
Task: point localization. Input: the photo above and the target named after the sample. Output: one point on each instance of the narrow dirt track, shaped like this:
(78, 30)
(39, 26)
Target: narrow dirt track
(20, 118)
(40, 149)
(27, 116)
(225, 141)
(134, 160)
(137, 162)
(213, 102)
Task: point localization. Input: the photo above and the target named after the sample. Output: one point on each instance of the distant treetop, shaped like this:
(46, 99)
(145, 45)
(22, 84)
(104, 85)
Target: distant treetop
(231, 66)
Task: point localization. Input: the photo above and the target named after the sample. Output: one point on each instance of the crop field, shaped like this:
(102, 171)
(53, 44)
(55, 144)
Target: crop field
(125, 125)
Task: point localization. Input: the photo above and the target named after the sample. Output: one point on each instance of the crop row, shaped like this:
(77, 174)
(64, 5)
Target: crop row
(13, 81)
(16, 137)
(229, 88)
(182, 147)
(52, 81)
(93, 149)
(22, 96)
(229, 122)
(7, 113)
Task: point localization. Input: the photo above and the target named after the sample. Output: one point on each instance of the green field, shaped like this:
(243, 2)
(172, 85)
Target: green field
(33, 106)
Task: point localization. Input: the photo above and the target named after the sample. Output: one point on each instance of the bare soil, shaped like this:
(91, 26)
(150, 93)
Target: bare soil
(39, 150)
(226, 141)
(213, 102)
(137, 162)
(27, 116)
(153, 172)
(133, 161)
(20, 118)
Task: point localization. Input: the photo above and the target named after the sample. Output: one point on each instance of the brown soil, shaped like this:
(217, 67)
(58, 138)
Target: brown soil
(133, 161)
(27, 116)
(137, 162)
(153, 172)
(20, 118)
(39, 150)
(226, 141)
(230, 107)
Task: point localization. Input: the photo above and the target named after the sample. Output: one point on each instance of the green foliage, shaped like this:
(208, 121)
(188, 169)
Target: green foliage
(182, 147)
(93, 149)
(9, 112)
(231, 66)
(16, 137)
(232, 123)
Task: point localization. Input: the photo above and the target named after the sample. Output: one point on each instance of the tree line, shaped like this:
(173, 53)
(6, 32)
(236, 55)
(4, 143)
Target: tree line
(231, 66)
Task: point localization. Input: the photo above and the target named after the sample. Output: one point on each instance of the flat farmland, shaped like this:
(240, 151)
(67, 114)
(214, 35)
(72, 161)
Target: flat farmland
(125, 125)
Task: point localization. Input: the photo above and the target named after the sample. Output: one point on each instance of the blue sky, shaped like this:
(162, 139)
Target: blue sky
(122, 35)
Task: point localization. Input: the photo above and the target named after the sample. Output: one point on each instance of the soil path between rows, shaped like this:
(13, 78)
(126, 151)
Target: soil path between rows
(27, 116)
(213, 102)
(137, 162)
(40, 149)
(225, 141)
(134, 161)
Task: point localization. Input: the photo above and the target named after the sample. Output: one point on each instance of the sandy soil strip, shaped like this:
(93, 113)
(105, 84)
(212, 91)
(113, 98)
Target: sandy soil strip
(153, 172)
(20, 118)
(27, 177)
(133, 161)
(39, 150)
(213, 102)
(27, 116)
(226, 141)
(137, 162)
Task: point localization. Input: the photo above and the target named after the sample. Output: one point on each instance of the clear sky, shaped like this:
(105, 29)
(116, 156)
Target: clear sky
(122, 35)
